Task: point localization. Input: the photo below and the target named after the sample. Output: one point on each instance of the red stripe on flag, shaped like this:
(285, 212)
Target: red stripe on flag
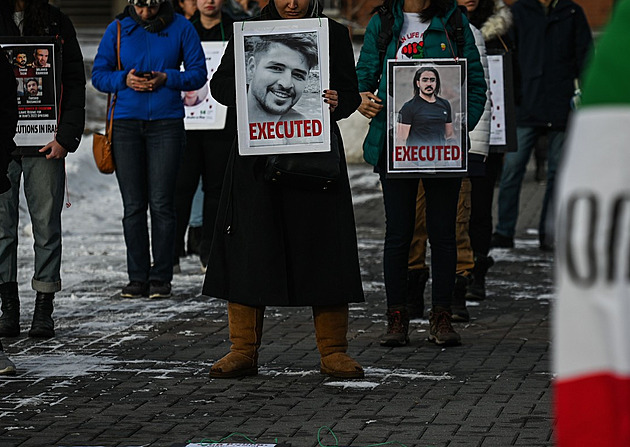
(592, 411)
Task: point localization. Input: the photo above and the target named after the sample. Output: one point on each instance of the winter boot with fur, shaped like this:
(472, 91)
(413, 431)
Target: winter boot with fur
(246, 323)
(397, 327)
(416, 283)
(331, 327)
(10, 319)
(43, 325)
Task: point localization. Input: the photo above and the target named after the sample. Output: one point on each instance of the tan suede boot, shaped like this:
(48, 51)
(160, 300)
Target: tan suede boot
(331, 326)
(246, 324)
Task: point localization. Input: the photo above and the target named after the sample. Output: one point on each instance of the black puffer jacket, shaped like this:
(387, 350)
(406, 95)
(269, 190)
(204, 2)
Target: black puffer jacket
(72, 110)
(8, 118)
(551, 50)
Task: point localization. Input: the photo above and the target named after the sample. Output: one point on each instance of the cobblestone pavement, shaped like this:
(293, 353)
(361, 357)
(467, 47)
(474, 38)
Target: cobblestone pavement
(134, 372)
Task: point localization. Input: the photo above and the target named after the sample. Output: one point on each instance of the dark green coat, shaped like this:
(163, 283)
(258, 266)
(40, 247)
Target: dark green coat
(372, 75)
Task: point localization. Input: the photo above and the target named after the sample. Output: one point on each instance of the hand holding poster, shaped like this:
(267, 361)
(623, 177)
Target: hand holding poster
(281, 74)
(427, 118)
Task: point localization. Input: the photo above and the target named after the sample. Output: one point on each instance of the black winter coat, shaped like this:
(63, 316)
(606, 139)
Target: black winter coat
(281, 246)
(8, 118)
(72, 110)
(551, 53)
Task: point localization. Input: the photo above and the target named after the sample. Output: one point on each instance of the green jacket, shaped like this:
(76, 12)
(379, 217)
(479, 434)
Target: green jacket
(372, 76)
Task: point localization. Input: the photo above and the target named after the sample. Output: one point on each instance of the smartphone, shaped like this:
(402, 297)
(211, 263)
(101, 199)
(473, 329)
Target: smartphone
(144, 74)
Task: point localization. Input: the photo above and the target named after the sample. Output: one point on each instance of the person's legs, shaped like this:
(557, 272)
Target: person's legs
(9, 215)
(442, 196)
(514, 167)
(418, 271)
(165, 142)
(465, 261)
(399, 196)
(185, 187)
(44, 191)
(130, 153)
(554, 155)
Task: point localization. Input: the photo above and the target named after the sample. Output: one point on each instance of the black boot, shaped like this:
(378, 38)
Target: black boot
(416, 282)
(459, 312)
(477, 288)
(43, 325)
(10, 319)
(397, 327)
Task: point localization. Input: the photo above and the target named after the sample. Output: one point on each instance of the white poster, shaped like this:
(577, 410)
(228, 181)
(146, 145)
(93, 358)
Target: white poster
(34, 69)
(281, 74)
(497, 99)
(201, 110)
(427, 118)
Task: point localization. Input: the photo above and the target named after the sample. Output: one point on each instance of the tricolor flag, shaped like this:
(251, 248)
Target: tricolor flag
(591, 330)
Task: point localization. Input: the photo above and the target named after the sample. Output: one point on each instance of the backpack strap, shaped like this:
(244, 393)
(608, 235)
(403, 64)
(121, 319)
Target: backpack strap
(387, 29)
(456, 23)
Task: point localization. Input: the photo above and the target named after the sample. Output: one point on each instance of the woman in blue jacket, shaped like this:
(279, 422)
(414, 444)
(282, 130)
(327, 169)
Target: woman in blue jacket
(428, 22)
(149, 136)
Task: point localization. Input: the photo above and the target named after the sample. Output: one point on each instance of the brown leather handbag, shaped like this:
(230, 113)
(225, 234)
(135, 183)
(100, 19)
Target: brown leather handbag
(102, 143)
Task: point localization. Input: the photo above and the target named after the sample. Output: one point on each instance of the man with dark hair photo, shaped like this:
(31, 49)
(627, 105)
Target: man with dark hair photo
(20, 59)
(278, 68)
(425, 119)
(31, 87)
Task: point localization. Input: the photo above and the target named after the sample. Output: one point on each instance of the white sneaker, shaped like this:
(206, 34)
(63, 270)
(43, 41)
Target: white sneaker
(7, 368)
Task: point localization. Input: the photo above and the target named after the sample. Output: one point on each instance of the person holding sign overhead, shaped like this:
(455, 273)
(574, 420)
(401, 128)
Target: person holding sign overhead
(279, 245)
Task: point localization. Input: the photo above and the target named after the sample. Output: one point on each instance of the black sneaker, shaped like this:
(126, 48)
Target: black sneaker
(135, 289)
(159, 289)
(500, 241)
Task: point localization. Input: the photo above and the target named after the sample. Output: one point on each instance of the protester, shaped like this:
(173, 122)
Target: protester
(424, 21)
(42, 171)
(493, 18)
(418, 273)
(186, 8)
(547, 74)
(282, 246)
(148, 128)
(207, 151)
(590, 318)
(239, 10)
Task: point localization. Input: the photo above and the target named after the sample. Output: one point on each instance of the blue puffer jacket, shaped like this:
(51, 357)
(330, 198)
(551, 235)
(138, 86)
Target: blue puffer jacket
(162, 51)
(372, 75)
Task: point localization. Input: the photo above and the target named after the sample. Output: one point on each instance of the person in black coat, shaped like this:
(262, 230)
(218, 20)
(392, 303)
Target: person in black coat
(42, 169)
(282, 246)
(552, 40)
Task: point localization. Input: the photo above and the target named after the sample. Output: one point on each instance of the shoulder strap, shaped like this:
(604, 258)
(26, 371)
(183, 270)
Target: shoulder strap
(456, 22)
(387, 24)
(111, 103)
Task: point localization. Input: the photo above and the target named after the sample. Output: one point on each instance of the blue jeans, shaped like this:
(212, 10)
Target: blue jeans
(44, 189)
(147, 155)
(514, 168)
(399, 195)
(196, 210)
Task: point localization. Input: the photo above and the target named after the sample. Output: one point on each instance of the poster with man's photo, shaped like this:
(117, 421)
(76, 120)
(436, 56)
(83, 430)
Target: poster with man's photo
(426, 118)
(201, 110)
(34, 65)
(281, 75)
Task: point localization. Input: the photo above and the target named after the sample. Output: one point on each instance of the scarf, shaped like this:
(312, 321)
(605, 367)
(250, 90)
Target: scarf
(162, 19)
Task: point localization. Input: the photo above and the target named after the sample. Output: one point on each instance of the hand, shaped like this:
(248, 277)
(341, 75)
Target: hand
(370, 105)
(142, 84)
(55, 150)
(331, 98)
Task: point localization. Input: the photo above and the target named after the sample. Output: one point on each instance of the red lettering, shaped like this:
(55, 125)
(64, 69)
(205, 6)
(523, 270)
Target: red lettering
(297, 125)
(317, 128)
(252, 131)
(307, 128)
(456, 153)
(271, 130)
(261, 131)
(398, 153)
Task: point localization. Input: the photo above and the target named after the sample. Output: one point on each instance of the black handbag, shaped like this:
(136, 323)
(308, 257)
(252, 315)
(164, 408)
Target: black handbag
(315, 171)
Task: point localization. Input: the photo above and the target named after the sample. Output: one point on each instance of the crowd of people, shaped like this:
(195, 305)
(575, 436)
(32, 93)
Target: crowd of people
(263, 244)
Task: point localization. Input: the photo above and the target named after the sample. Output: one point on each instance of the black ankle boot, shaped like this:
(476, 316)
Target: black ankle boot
(10, 319)
(43, 325)
(477, 288)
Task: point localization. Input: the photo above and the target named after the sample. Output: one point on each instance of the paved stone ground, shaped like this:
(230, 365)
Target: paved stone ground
(123, 373)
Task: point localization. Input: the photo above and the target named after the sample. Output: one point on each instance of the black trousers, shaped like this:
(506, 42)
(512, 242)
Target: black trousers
(482, 195)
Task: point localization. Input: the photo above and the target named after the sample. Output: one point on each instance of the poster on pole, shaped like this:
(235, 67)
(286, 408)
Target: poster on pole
(281, 74)
(503, 121)
(36, 68)
(427, 118)
(202, 111)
